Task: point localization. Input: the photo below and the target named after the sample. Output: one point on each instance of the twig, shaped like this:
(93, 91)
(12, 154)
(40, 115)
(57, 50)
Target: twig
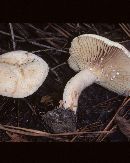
(33, 42)
(105, 101)
(45, 46)
(125, 29)
(38, 30)
(86, 25)
(31, 132)
(40, 45)
(4, 102)
(64, 63)
(59, 50)
(29, 41)
(60, 30)
(12, 35)
(86, 128)
(110, 32)
(7, 34)
(111, 131)
(97, 32)
(70, 26)
(18, 104)
(41, 39)
(57, 76)
(126, 100)
(32, 109)
(78, 135)
(126, 26)
(124, 41)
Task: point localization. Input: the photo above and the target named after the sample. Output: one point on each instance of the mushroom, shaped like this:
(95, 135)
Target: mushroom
(100, 61)
(21, 73)
(97, 60)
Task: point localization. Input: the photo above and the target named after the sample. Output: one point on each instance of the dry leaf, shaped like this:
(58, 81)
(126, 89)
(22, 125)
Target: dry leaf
(46, 99)
(16, 137)
(124, 125)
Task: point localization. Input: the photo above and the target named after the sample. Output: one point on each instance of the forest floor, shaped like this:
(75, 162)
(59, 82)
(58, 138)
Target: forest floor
(97, 120)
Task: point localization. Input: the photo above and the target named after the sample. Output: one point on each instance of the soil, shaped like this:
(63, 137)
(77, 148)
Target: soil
(51, 41)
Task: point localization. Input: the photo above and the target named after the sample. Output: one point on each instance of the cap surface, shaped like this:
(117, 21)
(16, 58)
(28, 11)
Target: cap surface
(108, 60)
(21, 73)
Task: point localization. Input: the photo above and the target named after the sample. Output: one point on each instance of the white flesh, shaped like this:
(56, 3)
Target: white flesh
(75, 86)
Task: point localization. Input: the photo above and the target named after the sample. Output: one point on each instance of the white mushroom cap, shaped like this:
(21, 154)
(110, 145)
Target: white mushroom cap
(108, 60)
(21, 73)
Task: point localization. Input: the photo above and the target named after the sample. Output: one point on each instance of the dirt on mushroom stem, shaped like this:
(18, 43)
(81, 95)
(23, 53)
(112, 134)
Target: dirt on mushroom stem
(96, 104)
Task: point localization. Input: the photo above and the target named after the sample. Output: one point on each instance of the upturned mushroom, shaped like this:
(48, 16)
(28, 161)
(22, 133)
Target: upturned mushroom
(100, 61)
(21, 73)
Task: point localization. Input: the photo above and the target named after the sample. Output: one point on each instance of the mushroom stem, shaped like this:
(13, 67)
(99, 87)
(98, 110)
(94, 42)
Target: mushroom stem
(75, 86)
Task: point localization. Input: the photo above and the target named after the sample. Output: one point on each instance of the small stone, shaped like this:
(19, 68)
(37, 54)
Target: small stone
(60, 120)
